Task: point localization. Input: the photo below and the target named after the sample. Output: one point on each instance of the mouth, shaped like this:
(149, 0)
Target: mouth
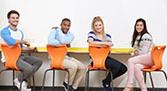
(139, 29)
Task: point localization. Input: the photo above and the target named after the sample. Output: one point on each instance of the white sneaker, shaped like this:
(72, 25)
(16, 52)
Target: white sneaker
(17, 83)
(24, 85)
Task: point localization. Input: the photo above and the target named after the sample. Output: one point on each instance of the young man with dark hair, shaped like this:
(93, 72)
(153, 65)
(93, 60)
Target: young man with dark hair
(11, 36)
(60, 36)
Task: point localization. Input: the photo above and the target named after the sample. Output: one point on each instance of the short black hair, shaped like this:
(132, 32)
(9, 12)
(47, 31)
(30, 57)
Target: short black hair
(12, 12)
(66, 19)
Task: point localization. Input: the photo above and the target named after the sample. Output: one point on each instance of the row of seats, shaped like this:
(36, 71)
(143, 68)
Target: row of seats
(98, 55)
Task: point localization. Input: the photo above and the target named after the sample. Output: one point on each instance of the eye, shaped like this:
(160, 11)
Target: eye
(17, 17)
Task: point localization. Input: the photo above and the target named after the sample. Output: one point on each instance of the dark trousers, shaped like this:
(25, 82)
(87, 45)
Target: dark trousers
(117, 68)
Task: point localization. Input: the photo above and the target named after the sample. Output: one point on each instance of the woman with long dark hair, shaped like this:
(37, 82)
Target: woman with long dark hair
(141, 42)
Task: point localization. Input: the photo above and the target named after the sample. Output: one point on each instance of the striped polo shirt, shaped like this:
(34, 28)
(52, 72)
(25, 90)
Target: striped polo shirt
(92, 36)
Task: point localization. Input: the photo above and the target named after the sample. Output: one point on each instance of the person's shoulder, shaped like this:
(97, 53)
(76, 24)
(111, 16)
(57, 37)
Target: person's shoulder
(91, 32)
(146, 35)
(55, 29)
(5, 29)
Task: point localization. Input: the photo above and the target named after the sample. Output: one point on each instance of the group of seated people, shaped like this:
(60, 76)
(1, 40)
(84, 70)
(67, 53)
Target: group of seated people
(141, 42)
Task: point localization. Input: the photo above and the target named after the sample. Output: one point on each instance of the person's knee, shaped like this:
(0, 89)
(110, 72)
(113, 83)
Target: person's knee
(74, 66)
(40, 63)
(83, 68)
(29, 71)
(130, 60)
(138, 67)
(37, 63)
(123, 69)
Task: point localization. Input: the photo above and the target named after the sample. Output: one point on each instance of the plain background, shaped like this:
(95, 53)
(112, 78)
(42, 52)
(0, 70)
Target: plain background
(39, 16)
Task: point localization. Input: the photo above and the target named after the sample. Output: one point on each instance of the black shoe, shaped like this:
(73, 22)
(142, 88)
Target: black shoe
(72, 89)
(107, 86)
(66, 86)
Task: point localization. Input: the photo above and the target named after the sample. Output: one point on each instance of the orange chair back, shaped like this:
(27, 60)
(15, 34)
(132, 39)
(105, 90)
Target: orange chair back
(99, 55)
(57, 54)
(11, 53)
(157, 53)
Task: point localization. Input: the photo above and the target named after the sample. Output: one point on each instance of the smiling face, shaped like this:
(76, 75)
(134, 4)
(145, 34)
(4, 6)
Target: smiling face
(65, 26)
(13, 19)
(139, 26)
(98, 27)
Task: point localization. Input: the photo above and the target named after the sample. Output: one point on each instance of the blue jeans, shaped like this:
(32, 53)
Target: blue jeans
(117, 68)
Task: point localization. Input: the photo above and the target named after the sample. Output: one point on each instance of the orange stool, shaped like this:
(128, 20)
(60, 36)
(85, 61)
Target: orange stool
(98, 56)
(12, 53)
(56, 54)
(156, 53)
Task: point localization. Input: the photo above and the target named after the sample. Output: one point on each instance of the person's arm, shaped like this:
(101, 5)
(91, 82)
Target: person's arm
(95, 42)
(65, 38)
(108, 40)
(91, 41)
(52, 38)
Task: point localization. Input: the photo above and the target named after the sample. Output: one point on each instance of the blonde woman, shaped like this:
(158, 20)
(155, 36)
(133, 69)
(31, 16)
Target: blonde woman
(100, 38)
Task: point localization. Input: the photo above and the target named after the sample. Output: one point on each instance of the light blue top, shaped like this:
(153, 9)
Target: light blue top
(57, 37)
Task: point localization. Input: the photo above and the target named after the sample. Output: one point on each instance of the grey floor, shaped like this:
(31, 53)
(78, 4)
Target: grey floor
(10, 88)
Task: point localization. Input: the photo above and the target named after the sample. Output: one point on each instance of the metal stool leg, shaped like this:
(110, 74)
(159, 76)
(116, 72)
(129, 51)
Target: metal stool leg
(87, 81)
(164, 74)
(43, 82)
(151, 81)
(13, 73)
(33, 82)
(145, 76)
(13, 77)
(53, 83)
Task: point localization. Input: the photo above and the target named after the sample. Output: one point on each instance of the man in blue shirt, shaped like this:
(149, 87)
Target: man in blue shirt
(61, 36)
(11, 36)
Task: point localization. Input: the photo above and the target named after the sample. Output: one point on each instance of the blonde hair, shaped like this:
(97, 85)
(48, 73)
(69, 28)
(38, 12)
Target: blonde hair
(97, 19)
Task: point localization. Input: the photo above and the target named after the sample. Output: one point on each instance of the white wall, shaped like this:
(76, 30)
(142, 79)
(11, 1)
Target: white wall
(38, 16)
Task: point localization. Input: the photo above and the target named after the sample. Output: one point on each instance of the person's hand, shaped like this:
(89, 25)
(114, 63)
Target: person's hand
(134, 53)
(29, 49)
(26, 43)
